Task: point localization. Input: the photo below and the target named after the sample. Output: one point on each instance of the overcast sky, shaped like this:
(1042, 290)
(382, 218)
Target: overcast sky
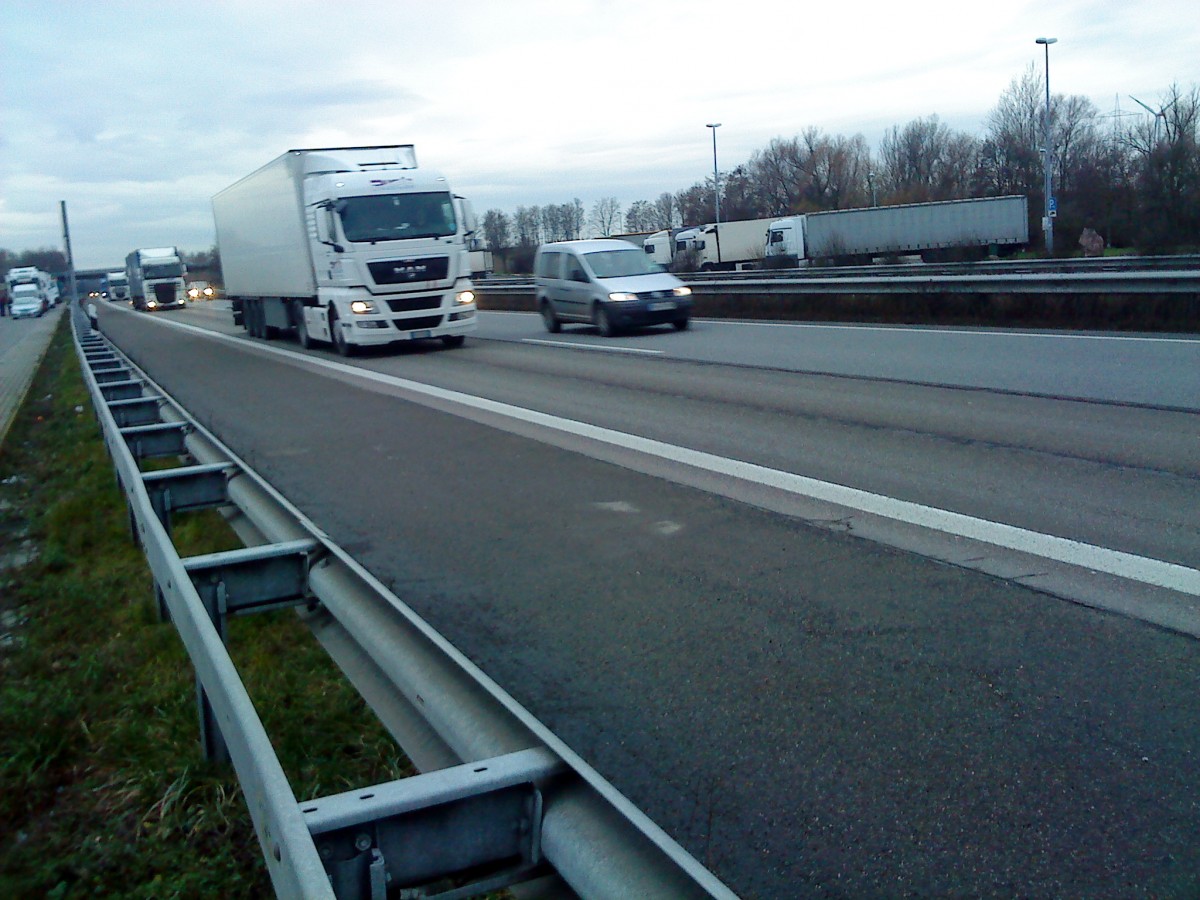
(136, 113)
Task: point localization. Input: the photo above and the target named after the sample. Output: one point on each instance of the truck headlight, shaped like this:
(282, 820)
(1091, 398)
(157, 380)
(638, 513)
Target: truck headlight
(621, 296)
(362, 306)
(464, 297)
(682, 292)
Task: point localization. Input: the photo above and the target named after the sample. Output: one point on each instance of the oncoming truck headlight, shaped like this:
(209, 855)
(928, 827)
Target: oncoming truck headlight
(362, 306)
(462, 298)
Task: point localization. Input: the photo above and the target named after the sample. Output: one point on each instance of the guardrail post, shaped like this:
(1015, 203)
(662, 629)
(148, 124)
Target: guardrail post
(235, 582)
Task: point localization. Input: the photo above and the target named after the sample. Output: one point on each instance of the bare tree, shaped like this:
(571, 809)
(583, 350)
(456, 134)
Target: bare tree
(528, 226)
(606, 213)
(640, 217)
(497, 229)
(925, 161)
(666, 213)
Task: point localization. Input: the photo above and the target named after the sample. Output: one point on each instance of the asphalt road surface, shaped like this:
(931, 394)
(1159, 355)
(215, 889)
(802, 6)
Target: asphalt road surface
(809, 711)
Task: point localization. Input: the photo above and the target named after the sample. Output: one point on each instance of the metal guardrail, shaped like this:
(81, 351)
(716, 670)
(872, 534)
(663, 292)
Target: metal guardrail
(1145, 275)
(497, 788)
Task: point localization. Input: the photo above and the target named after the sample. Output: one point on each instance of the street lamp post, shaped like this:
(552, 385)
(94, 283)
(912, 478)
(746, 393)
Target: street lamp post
(716, 184)
(871, 183)
(1047, 218)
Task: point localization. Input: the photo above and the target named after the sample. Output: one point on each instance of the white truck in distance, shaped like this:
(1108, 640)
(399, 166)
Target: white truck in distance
(984, 222)
(354, 246)
(30, 291)
(156, 278)
(726, 245)
(118, 286)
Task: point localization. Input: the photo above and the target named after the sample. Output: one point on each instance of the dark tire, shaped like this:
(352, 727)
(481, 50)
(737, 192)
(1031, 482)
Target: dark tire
(604, 321)
(302, 335)
(343, 347)
(451, 341)
(549, 319)
(254, 318)
(681, 324)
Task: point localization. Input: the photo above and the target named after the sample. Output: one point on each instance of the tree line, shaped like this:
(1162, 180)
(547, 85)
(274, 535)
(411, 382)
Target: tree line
(1135, 180)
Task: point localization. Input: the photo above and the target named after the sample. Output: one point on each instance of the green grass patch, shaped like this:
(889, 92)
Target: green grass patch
(103, 791)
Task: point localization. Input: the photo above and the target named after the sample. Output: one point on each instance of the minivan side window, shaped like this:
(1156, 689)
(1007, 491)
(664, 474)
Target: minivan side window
(574, 270)
(548, 265)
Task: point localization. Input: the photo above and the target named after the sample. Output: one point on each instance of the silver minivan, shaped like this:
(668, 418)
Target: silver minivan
(607, 283)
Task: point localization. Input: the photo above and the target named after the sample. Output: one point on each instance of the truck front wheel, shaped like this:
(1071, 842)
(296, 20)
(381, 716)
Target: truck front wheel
(344, 347)
(301, 326)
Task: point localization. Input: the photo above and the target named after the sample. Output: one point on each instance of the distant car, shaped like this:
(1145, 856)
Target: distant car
(608, 283)
(201, 290)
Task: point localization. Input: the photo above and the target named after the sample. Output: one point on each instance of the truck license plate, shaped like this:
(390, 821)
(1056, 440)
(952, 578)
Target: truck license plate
(420, 334)
(660, 306)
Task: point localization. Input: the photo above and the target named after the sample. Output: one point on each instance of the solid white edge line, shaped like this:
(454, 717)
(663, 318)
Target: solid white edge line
(1064, 550)
(572, 345)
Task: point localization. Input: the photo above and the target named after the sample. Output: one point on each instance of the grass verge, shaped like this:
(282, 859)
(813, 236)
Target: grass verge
(103, 791)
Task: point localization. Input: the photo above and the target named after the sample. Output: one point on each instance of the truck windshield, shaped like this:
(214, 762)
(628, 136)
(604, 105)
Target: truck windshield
(617, 263)
(397, 217)
(163, 270)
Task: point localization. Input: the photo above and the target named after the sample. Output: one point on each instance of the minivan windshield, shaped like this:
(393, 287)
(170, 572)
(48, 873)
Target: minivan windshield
(395, 217)
(619, 263)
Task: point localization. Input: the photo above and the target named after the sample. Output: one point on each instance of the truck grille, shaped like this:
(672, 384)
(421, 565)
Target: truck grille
(407, 271)
(412, 304)
(164, 293)
(418, 323)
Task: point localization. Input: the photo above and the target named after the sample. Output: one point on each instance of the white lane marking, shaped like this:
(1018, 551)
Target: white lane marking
(1076, 553)
(574, 346)
(1058, 335)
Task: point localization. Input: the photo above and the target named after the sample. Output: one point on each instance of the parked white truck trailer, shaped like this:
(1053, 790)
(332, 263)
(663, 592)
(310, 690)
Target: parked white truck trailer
(118, 286)
(727, 245)
(909, 228)
(354, 246)
(156, 278)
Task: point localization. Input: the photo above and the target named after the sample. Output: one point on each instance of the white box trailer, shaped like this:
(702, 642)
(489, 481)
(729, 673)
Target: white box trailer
(353, 246)
(907, 228)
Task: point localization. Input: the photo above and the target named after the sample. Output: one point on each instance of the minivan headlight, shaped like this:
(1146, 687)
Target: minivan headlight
(682, 292)
(622, 296)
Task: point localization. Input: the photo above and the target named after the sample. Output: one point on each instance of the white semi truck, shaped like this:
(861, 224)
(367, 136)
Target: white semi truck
(156, 278)
(30, 291)
(118, 286)
(983, 222)
(353, 246)
(724, 246)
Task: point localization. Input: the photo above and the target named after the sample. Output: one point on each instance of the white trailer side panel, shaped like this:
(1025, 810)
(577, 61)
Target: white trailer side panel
(741, 241)
(919, 226)
(263, 234)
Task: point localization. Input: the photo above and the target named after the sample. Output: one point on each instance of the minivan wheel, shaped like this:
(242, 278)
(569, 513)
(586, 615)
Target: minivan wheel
(549, 318)
(681, 324)
(604, 321)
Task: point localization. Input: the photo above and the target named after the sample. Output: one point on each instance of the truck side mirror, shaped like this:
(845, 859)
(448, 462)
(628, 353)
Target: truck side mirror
(326, 228)
(467, 213)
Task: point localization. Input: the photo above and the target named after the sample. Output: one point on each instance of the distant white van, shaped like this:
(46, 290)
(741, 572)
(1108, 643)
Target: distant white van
(607, 283)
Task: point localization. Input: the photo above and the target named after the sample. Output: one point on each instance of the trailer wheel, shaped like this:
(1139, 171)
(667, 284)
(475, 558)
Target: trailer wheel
(344, 347)
(302, 334)
(253, 315)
